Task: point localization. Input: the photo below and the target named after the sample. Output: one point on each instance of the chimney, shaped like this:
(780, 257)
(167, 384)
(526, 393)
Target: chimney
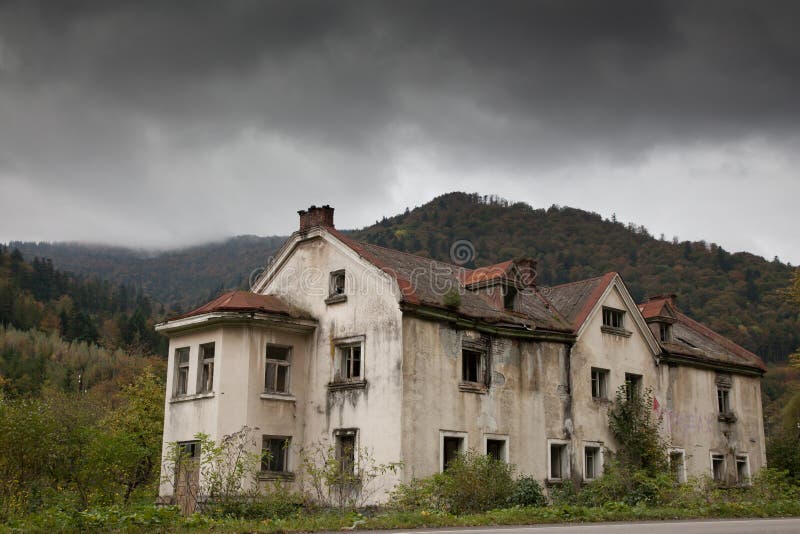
(672, 298)
(314, 216)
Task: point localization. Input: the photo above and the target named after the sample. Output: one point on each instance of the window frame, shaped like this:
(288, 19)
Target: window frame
(723, 400)
(665, 332)
(565, 468)
(178, 367)
(286, 443)
(205, 381)
(503, 438)
(681, 471)
(613, 315)
(277, 364)
(350, 434)
(634, 384)
(746, 458)
(715, 456)
(334, 288)
(450, 434)
(599, 459)
(602, 382)
(344, 361)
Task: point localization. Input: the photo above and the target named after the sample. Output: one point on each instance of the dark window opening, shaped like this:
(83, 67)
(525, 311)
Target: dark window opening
(718, 467)
(274, 454)
(676, 466)
(633, 385)
(346, 451)
(189, 449)
(591, 462)
(509, 297)
(337, 283)
(472, 366)
(742, 470)
(496, 448)
(723, 400)
(558, 458)
(613, 318)
(452, 447)
(665, 332)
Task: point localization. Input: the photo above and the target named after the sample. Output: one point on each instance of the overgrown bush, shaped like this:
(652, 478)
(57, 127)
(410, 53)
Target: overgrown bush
(527, 492)
(472, 483)
(636, 431)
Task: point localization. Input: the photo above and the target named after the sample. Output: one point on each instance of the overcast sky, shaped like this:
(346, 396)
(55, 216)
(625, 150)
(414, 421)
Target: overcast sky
(163, 124)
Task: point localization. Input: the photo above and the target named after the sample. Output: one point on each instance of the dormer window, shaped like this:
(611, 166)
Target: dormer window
(509, 298)
(665, 332)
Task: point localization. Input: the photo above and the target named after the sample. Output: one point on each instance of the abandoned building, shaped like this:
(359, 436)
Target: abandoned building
(360, 346)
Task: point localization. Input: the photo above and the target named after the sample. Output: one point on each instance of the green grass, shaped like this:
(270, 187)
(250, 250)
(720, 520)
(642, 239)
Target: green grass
(152, 519)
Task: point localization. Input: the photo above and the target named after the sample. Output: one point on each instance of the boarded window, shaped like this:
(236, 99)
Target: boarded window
(206, 374)
(278, 367)
(275, 453)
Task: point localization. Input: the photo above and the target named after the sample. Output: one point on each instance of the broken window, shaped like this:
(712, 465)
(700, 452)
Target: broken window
(181, 371)
(613, 318)
(718, 467)
(496, 448)
(633, 385)
(278, 365)
(473, 366)
(337, 283)
(723, 400)
(346, 450)
(743, 469)
(275, 453)
(509, 297)
(677, 466)
(452, 446)
(665, 332)
(206, 374)
(591, 462)
(599, 383)
(559, 461)
(349, 365)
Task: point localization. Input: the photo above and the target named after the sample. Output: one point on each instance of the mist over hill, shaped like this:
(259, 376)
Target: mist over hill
(740, 295)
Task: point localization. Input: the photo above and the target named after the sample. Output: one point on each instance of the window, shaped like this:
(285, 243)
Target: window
(206, 376)
(665, 332)
(473, 366)
(633, 385)
(599, 383)
(350, 362)
(346, 449)
(337, 283)
(613, 318)
(189, 450)
(723, 400)
(275, 454)
(742, 469)
(276, 375)
(718, 467)
(592, 462)
(509, 297)
(559, 460)
(677, 466)
(181, 371)
(497, 448)
(452, 445)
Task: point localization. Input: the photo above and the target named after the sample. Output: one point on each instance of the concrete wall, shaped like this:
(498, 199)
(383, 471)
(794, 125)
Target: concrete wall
(526, 400)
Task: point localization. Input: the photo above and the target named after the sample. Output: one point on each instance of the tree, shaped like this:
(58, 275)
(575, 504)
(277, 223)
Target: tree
(637, 431)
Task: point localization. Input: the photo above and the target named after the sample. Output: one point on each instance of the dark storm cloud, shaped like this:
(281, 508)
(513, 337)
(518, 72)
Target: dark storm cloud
(139, 103)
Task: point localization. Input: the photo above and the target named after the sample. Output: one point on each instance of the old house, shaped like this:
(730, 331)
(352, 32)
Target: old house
(361, 346)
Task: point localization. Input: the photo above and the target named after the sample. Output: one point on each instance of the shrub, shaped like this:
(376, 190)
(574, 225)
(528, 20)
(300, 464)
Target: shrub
(636, 430)
(527, 491)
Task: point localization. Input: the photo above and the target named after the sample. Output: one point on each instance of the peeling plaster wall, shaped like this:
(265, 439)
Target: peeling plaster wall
(523, 401)
(693, 420)
(372, 311)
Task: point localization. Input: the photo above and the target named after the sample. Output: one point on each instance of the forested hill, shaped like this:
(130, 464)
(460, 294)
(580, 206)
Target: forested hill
(739, 295)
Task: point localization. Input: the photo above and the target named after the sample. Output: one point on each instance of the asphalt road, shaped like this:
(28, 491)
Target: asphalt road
(728, 526)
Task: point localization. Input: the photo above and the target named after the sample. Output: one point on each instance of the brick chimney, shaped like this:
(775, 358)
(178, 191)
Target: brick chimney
(316, 216)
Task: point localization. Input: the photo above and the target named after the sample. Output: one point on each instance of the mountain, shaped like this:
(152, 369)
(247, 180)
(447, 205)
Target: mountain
(740, 295)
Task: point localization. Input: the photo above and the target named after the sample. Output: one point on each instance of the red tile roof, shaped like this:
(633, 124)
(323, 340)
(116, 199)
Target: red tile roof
(485, 274)
(576, 300)
(244, 301)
